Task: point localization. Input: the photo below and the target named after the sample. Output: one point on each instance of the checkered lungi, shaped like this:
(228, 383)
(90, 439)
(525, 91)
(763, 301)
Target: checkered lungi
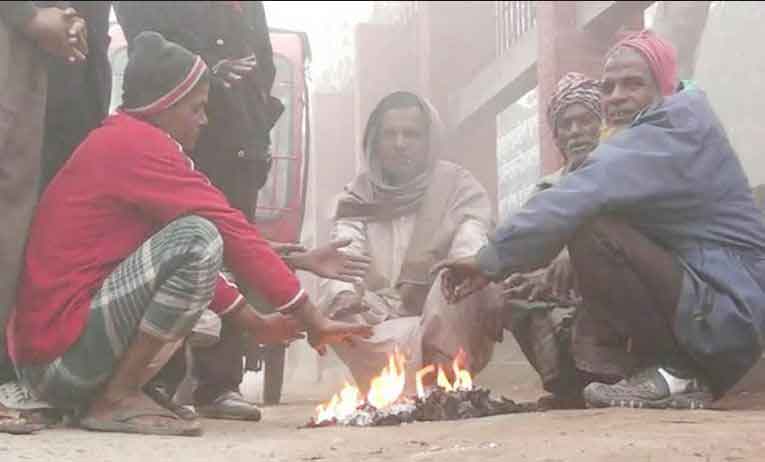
(161, 289)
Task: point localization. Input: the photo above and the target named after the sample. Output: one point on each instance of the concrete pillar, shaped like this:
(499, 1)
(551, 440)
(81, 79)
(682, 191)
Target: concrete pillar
(458, 41)
(386, 61)
(333, 154)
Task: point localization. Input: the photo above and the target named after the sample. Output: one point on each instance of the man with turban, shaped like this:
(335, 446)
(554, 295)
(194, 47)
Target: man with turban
(125, 254)
(541, 305)
(407, 210)
(665, 238)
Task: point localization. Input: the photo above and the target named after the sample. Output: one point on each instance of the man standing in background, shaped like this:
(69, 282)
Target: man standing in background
(78, 93)
(28, 35)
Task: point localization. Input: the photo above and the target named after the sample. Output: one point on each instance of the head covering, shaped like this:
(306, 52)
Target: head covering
(659, 53)
(574, 88)
(159, 73)
(370, 197)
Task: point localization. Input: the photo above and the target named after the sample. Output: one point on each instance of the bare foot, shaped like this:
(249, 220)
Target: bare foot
(136, 413)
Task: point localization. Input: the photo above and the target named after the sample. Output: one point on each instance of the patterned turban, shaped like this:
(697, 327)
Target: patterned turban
(574, 88)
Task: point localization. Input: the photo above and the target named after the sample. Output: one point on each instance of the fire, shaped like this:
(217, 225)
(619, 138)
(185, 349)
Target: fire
(388, 387)
(419, 376)
(385, 389)
(340, 406)
(462, 378)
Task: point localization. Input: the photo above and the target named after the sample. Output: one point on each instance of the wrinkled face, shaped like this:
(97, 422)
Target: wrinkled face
(578, 132)
(184, 120)
(402, 144)
(628, 87)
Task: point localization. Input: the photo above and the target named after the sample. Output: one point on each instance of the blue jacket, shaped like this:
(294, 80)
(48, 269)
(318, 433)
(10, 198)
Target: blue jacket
(674, 176)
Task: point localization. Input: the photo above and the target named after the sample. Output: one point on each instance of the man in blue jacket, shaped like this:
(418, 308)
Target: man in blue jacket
(664, 236)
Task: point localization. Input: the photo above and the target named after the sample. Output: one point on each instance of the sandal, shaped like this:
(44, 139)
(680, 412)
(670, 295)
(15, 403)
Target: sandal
(161, 397)
(122, 421)
(12, 422)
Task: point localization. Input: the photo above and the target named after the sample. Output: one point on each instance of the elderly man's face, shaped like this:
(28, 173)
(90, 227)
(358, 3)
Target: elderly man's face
(184, 120)
(403, 144)
(628, 87)
(578, 132)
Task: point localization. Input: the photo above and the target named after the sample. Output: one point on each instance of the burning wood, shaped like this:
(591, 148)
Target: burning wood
(385, 403)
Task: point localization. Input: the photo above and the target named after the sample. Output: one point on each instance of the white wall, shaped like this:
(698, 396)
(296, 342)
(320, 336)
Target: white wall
(731, 69)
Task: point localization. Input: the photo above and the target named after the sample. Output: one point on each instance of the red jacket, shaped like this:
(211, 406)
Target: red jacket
(125, 182)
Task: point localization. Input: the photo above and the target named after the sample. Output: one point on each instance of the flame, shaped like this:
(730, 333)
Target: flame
(443, 381)
(340, 406)
(388, 387)
(462, 378)
(419, 376)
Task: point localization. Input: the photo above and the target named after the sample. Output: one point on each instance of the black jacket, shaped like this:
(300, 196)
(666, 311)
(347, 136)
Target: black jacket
(78, 95)
(233, 150)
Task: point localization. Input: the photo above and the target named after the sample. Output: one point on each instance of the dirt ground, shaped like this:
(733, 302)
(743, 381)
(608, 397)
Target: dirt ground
(560, 436)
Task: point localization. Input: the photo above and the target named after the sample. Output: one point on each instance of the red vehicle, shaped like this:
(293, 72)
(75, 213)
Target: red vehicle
(281, 201)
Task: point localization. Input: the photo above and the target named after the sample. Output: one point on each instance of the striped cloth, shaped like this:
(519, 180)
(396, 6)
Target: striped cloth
(161, 289)
(574, 88)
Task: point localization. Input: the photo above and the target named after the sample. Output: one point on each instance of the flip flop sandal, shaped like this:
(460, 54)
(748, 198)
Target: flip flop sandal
(11, 421)
(18, 426)
(161, 398)
(123, 422)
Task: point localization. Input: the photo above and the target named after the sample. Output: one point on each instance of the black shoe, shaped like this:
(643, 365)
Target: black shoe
(649, 389)
(230, 406)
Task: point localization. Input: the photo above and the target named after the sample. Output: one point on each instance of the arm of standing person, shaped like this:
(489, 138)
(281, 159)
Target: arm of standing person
(264, 53)
(60, 32)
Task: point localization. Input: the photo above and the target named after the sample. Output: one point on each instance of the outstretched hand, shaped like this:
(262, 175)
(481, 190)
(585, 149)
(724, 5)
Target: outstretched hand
(323, 331)
(461, 277)
(532, 287)
(329, 332)
(331, 262)
(278, 329)
(561, 278)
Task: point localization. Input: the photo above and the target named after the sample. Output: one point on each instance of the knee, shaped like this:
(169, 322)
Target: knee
(199, 238)
(198, 227)
(596, 238)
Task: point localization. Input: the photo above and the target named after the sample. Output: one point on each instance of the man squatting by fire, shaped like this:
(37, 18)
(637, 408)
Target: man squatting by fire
(664, 237)
(125, 253)
(407, 210)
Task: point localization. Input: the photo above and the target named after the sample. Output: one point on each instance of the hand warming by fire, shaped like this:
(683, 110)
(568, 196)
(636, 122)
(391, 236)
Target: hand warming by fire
(386, 404)
(387, 388)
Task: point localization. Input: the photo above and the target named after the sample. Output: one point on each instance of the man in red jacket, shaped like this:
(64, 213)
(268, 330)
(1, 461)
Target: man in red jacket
(125, 253)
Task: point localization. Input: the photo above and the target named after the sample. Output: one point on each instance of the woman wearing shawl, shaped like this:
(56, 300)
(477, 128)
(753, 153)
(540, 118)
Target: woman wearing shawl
(407, 210)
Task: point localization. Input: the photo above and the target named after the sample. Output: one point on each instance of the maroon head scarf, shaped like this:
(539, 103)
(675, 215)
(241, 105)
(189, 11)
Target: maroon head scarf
(660, 55)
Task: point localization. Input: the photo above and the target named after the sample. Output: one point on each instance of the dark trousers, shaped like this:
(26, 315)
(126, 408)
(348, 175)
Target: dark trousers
(215, 370)
(630, 286)
(632, 283)
(218, 369)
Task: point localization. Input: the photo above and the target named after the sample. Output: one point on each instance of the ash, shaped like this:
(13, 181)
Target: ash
(436, 405)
